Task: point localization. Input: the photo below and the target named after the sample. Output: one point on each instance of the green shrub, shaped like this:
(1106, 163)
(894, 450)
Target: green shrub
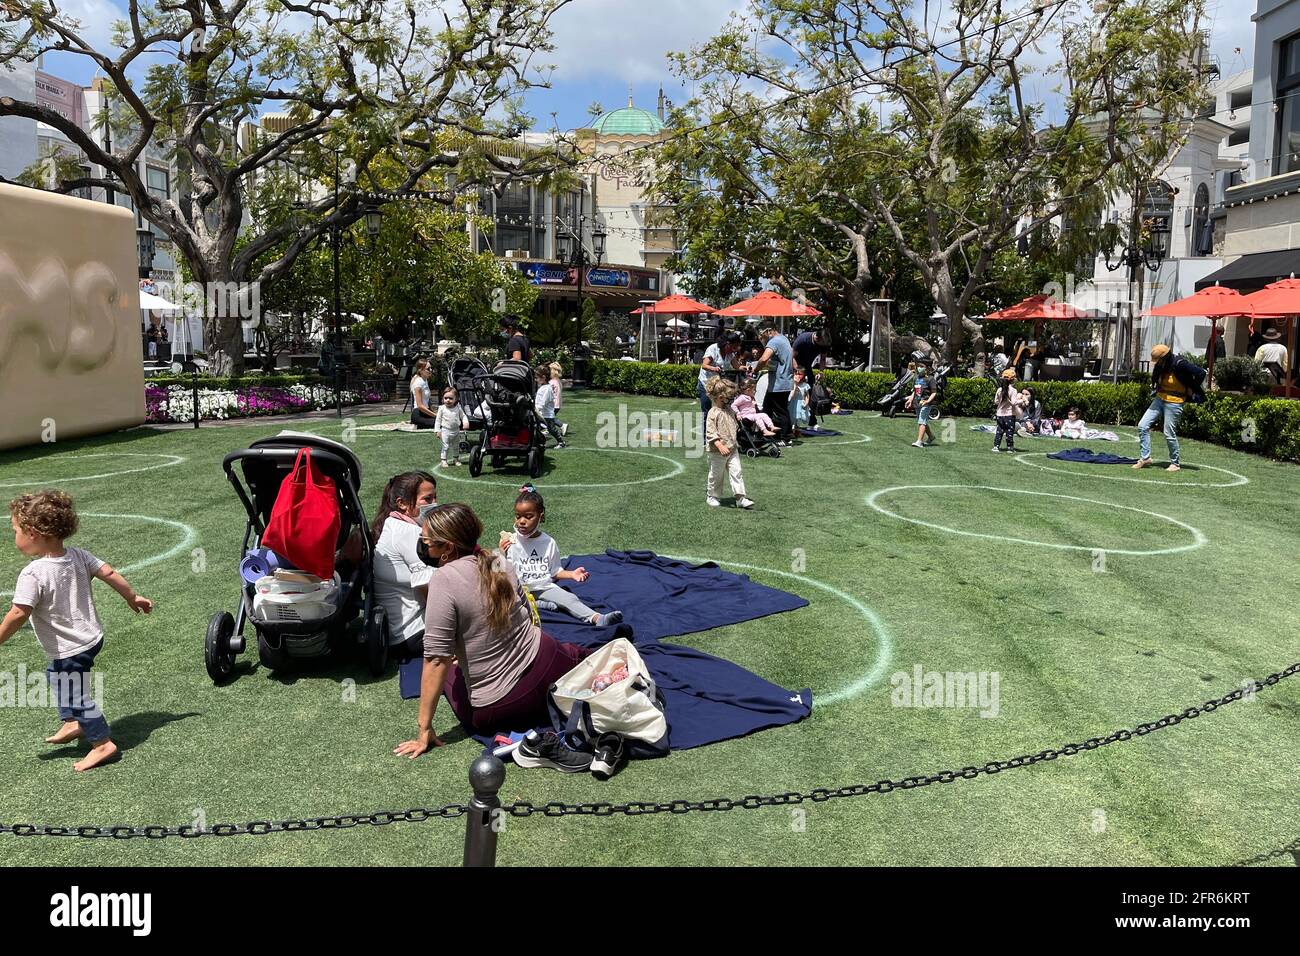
(1241, 373)
(1266, 426)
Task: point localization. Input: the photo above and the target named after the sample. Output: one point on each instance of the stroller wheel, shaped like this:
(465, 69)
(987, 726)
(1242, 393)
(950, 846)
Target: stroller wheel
(751, 453)
(272, 658)
(377, 641)
(476, 461)
(217, 654)
(534, 462)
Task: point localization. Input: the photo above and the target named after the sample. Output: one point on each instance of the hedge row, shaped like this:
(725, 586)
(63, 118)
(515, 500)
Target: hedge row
(1266, 426)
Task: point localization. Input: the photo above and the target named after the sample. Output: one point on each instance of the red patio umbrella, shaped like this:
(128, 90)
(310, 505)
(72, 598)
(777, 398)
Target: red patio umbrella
(1281, 300)
(1038, 309)
(1213, 302)
(769, 304)
(675, 305)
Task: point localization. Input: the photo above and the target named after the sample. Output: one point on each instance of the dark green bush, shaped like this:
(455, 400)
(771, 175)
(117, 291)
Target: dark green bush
(1241, 373)
(1266, 426)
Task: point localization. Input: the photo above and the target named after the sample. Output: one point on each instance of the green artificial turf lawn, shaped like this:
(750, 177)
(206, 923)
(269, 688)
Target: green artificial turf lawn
(1080, 649)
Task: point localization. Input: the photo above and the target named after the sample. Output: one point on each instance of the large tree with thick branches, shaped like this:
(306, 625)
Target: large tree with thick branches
(852, 145)
(417, 95)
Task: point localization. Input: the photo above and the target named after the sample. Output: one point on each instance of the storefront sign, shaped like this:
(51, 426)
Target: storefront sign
(545, 273)
(608, 278)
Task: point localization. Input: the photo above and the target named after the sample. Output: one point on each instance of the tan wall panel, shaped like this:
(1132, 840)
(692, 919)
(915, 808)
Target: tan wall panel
(69, 317)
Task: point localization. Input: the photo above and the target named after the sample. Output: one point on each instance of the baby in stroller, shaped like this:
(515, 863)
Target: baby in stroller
(747, 410)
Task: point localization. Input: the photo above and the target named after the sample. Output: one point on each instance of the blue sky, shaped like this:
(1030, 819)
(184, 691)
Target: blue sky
(603, 45)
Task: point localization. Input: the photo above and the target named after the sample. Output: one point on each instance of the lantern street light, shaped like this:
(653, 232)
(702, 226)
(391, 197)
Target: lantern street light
(144, 247)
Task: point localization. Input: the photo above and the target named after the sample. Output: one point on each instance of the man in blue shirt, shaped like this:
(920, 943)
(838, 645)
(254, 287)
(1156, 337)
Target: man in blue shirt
(779, 357)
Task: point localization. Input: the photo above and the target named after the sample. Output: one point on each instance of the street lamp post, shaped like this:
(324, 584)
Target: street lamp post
(1133, 256)
(578, 257)
(144, 247)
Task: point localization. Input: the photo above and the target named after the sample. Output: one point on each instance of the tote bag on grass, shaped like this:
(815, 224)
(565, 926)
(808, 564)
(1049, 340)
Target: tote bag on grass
(632, 707)
(304, 523)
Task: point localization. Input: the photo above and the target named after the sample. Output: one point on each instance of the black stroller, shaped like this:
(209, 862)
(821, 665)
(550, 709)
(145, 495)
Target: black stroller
(514, 430)
(896, 398)
(754, 443)
(265, 466)
(466, 376)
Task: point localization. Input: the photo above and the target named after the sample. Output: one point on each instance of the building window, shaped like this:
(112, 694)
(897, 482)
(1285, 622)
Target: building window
(1287, 93)
(1202, 230)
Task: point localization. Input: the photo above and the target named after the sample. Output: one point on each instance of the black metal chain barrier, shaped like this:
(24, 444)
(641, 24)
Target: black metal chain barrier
(488, 774)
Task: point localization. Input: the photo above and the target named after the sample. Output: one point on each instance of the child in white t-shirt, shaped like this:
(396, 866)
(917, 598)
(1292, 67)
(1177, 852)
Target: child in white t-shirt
(54, 593)
(536, 560)
(449, 421)
(544, 405)
(1073, 426)
(557, 386)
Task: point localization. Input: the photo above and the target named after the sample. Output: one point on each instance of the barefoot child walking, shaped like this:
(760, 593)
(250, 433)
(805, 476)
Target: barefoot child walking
(54, 593)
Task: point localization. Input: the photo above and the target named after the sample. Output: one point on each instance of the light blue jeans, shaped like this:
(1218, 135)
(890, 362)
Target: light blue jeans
(1171, 413)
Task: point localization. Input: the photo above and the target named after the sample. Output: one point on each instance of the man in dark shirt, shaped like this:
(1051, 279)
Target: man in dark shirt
(808, 348)
(517, 345)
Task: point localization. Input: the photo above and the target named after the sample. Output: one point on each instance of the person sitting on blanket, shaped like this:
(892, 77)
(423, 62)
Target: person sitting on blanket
(482, 648)
(1029, 413)
(536, 559)
(1074, 426)
(746, 408)
(400, 576)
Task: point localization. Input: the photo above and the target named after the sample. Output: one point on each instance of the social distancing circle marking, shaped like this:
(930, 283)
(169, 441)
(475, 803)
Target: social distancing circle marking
(884, 645)
(1237, 479)
(170, 462)
(1198, 538)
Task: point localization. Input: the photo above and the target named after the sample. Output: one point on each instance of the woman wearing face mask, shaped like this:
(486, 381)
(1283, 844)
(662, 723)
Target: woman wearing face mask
(401, 578)
(482, 648)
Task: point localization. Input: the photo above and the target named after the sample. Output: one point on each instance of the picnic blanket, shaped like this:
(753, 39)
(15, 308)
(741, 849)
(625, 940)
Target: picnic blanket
(1089, 434)
(1088, 456)
(807, 432)
(708, 698)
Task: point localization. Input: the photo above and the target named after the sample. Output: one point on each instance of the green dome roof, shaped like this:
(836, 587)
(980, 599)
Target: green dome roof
(628, 120)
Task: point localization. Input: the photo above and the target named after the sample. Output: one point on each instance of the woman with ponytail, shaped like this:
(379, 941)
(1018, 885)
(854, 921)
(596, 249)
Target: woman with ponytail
(482, 648)
(400, 576)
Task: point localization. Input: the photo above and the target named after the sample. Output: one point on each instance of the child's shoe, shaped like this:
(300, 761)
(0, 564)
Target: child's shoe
(996, 449)
(744, 503)
(605, 620)
(713, 502)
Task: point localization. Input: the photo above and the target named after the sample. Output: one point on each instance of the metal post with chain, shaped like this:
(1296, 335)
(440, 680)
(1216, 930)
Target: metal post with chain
(488, 774)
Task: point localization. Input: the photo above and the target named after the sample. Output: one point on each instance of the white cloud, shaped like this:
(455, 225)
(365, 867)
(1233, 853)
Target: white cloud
(96, 17)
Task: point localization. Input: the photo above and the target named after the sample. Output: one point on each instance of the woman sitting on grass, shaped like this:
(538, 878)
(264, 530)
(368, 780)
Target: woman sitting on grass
(482, 648)
(400, 576)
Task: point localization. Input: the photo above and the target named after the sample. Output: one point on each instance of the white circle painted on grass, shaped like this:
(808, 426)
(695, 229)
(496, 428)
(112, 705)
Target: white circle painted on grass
(188, 537)
(818, 443)
(1237, 479)
(171, 461)
(884, 650)
(1198, 538)
(678, 468)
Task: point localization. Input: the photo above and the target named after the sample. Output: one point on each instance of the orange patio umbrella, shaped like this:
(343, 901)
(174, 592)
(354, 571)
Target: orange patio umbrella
(1038, 309)
(1280, 300)
(1213, 302)
(675, 305)
(770, 305)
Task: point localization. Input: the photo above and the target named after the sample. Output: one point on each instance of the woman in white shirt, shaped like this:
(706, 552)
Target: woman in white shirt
(423, 414)
(400, 577)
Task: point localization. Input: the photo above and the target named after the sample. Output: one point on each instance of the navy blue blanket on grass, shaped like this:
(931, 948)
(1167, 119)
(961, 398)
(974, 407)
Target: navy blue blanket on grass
(708, 699)
(1090, 457)
(807, 432)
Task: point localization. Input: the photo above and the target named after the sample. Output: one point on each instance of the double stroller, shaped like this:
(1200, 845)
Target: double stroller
(296, 635)
(513, 429)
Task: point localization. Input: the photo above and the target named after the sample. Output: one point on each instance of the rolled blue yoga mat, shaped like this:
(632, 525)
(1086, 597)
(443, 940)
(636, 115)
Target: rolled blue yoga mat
(260, 562)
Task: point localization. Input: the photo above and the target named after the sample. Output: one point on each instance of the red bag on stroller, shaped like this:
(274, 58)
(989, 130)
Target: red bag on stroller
(304, 524)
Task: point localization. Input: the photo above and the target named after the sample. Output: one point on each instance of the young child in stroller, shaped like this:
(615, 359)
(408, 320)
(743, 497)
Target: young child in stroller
(747, 410)
(536, 560)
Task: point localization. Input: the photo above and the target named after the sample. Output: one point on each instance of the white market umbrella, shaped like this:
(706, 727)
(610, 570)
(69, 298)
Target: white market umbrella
(677, 324)
(156, 303)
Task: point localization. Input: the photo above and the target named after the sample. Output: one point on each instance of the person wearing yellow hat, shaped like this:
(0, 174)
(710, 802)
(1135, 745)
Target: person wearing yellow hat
(1005, 402)
(1175, 382)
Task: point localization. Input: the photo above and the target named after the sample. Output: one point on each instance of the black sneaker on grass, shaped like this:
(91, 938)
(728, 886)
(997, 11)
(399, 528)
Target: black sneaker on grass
(608, 756)
(550, 750)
